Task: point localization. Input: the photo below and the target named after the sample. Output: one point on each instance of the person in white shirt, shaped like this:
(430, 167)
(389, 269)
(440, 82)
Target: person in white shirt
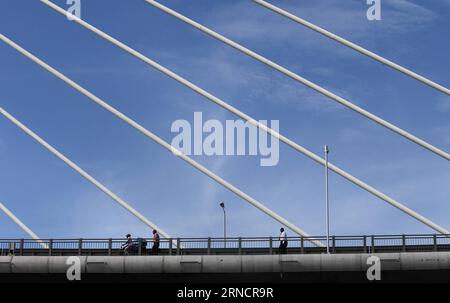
(283, 242)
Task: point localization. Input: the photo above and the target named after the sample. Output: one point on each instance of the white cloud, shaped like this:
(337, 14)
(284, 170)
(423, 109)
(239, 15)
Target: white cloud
(252, 83)
(347, 19)
(442, 132)
(445, 2)
(443, 104)
(349, 135)
(406, 16)
(2, 146)
(259, 26)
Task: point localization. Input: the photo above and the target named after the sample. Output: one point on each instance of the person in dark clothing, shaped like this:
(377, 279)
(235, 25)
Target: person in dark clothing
(283, 242)
(155, 248)
(127, 245)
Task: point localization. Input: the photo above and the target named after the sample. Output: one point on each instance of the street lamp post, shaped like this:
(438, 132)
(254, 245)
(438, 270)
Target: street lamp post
(222, 205)
(327, 199)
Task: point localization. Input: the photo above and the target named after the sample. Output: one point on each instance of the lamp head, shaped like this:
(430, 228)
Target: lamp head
(222, 205)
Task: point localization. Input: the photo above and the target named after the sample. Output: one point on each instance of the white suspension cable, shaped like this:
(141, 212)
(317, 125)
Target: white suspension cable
(302, 80)
(158, 140)
(83, 173)
(245, 117)
(353, 46)
(22, 225)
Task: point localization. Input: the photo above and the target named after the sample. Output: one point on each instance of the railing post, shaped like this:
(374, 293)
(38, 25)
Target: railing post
(403, 243)
(209, 246)
(364, 244)
(80, 246)
(333, 244)
(109, 247)
(22, 244)
(240, 245)
(170, 246)
(50, 247)
(372, 239)
(302, 245)
(434, 242)
(140, 247)
(178, 246)
(271, 245)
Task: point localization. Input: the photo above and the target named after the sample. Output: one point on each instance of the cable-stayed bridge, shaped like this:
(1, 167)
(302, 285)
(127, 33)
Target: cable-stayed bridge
(317, 243)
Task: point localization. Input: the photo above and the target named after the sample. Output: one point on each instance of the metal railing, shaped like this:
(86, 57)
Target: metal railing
(228, 246)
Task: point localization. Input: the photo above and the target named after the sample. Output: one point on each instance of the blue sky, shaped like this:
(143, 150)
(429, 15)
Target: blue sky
(56, 202)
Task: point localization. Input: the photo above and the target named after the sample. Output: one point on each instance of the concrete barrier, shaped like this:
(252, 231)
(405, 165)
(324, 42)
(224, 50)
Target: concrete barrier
(225, 264)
